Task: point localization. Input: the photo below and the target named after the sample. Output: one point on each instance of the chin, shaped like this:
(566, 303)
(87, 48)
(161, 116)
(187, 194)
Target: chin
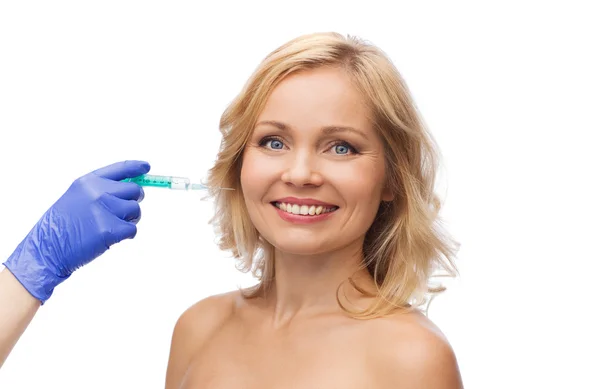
(297, 246)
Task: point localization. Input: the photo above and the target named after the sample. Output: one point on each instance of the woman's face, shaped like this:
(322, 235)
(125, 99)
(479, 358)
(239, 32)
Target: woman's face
(313, 171)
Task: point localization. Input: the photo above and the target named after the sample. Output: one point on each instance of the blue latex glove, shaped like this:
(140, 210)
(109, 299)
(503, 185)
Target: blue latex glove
(96, 212)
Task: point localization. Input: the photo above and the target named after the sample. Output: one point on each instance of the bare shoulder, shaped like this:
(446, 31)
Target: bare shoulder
(409, 350)
(193, 328)
(207, 314)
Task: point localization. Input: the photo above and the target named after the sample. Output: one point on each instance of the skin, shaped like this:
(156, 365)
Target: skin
(297, 336)
(17, 309)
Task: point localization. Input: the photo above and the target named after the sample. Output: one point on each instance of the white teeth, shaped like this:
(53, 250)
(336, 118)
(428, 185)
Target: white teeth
(297, 209)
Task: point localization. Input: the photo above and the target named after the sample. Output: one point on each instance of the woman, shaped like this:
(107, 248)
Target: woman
(334, 212)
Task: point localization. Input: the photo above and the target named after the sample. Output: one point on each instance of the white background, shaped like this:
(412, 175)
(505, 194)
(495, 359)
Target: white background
(510, 92)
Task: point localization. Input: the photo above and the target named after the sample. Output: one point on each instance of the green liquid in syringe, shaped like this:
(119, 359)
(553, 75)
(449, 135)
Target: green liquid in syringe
(147, 180)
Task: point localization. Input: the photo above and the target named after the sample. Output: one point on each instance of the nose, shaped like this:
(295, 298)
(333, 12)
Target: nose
(301, 171)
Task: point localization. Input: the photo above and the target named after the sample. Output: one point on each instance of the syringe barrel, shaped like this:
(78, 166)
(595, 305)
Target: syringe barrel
(181, 183)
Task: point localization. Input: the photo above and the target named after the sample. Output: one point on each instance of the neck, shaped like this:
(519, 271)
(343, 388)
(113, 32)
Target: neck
(308, 285)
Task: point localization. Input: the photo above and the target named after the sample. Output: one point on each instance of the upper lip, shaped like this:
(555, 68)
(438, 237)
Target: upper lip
(295, 200)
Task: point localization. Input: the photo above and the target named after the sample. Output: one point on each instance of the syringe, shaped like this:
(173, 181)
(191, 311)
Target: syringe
(170, 182)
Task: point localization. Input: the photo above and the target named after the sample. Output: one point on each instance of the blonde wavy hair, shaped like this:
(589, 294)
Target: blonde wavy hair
(405, 246)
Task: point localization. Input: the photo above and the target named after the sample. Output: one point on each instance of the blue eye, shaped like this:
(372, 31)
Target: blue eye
(272, 143)
(344, 148)
(276, 144)
(341, 149)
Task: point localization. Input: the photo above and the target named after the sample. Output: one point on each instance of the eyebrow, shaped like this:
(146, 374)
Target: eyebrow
(328, 130)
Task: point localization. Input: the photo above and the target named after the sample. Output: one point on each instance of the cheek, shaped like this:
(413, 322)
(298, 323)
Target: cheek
(246, 175)
(255, 174)
(362, 182)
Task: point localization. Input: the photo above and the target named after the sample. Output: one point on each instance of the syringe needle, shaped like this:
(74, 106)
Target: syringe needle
(204, 187)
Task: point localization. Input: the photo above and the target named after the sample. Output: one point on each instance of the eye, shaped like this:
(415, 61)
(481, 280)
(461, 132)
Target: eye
(272, 143)
(344, 148)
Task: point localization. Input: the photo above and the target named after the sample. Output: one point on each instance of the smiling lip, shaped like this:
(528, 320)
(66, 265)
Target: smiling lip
(295, 200)
(302, 219)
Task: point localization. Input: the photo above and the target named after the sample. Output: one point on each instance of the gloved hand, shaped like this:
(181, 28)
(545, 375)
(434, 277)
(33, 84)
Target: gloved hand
(96, 212)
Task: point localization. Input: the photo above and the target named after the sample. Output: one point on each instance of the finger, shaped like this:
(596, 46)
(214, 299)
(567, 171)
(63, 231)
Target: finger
(142, 195)
(125, 169)
(120, 230)
(125, 190)
(127, 210)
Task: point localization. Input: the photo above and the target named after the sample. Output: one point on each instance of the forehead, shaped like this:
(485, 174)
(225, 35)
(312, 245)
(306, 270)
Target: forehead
(315, 98)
